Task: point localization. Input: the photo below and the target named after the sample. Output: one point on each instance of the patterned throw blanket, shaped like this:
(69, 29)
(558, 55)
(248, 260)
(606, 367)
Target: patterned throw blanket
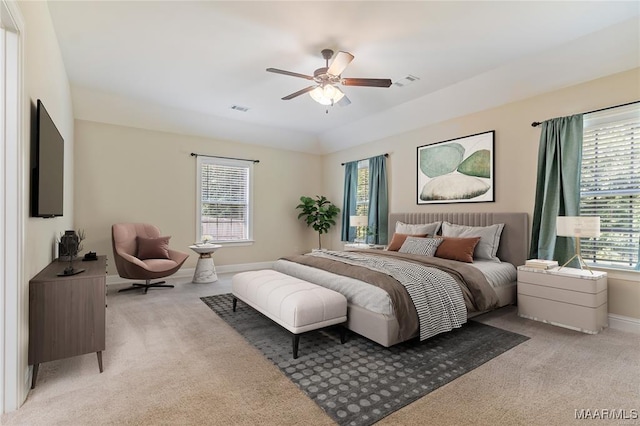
(436, 296)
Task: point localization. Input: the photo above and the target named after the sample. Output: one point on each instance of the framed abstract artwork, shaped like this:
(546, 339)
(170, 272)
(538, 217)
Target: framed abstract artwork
(457, 171)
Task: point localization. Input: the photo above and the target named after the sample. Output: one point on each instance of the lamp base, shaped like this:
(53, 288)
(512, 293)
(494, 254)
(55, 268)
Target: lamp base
(581, 262)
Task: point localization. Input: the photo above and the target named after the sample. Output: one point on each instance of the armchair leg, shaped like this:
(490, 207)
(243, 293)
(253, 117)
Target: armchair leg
(146, 286)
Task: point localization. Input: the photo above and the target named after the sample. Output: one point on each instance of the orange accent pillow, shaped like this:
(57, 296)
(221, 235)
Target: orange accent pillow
(460, 249)
(398, 239)
(153, 248)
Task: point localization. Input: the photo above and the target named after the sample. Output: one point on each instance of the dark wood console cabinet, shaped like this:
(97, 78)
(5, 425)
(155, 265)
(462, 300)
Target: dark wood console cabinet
(67, 314)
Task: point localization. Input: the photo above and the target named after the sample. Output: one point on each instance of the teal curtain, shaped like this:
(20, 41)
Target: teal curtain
(349, 203)
(378, 200)
(558, 187)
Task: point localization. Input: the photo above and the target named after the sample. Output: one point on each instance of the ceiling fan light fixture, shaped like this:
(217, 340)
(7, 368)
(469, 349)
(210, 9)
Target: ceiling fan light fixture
(327, 94)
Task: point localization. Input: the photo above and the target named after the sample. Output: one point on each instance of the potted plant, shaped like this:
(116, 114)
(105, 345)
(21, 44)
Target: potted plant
(319, 213)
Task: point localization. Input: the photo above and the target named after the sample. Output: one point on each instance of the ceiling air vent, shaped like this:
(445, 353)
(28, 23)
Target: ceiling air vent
(406, 81)
(239, 108)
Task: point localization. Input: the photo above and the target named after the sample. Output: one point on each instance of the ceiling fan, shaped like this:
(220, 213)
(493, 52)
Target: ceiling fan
(326, 91)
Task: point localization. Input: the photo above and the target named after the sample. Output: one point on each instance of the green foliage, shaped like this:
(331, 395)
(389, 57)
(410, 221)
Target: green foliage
(319, 213)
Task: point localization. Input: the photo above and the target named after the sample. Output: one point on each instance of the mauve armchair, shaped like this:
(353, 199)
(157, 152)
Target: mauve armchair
(141, 253)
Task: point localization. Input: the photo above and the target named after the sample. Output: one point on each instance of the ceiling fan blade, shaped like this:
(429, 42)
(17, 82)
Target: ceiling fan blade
(368, 82)
(292, 74)
(344, 101)
(299, 92)
(340, 62)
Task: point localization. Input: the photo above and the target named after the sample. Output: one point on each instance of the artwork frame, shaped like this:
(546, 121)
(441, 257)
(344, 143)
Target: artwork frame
(460, 170)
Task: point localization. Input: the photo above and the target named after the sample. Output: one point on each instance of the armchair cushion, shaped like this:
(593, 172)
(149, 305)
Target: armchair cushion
(153, 248)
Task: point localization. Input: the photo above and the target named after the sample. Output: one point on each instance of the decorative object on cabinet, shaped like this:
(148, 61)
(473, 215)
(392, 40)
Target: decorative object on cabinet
(67, 314)
(457, 171)
(543, 264)
(578, 227)
(69, 244)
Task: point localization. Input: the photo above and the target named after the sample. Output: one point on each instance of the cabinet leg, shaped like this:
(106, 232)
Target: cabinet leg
(99, 353)
(35, 375)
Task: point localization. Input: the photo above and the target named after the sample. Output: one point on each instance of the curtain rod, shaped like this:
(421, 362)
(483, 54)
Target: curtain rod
(194, 154)
(385, 154)
(537, 123)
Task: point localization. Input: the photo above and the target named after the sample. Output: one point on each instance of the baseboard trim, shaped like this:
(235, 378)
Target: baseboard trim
(623, 323)
(188, 272)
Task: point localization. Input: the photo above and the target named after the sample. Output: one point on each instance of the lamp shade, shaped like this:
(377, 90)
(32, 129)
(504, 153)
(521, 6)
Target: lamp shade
(578, 226)
(327, 94)
(358, 220)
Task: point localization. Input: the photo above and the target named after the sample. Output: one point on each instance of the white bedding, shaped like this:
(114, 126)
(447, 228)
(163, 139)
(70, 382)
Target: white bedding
(374, 298)
(498, 274)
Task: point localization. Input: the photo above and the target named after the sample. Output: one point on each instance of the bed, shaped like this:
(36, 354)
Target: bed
(377, 314)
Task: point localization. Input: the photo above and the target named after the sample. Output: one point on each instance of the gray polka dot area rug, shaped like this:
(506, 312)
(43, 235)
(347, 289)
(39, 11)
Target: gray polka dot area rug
(360, 382)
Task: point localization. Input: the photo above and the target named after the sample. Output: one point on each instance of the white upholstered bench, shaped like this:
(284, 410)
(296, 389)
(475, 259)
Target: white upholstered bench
(298, 306)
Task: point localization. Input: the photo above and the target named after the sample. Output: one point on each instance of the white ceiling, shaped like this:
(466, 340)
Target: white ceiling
(179, 66)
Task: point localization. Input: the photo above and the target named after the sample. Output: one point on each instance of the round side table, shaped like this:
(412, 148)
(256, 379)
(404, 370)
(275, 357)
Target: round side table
(205, 269)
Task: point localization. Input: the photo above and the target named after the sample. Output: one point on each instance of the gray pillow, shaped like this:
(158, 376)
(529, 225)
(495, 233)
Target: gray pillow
(423, 246)
(489, 238)
(417, 229)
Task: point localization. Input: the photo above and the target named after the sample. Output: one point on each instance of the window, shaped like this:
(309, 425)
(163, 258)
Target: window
(362, 189)
(362, 196)
(224, 199)
(610, 185)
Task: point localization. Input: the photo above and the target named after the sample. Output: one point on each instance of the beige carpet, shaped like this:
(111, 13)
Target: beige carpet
(170, 360)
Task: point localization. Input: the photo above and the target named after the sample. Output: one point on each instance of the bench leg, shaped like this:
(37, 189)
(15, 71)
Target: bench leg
(296, 341)
(235, 304)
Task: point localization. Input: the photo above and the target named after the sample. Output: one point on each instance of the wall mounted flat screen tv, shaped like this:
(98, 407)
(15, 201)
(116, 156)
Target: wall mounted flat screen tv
(47, 167)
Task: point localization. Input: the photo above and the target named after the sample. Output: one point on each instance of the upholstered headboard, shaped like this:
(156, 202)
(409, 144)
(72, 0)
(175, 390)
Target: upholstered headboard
(514, 242)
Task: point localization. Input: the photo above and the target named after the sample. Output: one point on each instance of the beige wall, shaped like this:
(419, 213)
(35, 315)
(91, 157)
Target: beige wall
(516, 151)
(125, 174)
(44, 78)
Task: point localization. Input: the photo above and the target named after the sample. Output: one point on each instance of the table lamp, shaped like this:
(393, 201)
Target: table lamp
(578, 227)
(359, 222)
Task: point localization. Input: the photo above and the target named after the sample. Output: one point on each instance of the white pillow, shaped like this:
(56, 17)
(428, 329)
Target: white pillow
(418, 229)
(423, 246)
(489, 238)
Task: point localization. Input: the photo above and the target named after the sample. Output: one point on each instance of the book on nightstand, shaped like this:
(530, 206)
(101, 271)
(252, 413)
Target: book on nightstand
(541, 264)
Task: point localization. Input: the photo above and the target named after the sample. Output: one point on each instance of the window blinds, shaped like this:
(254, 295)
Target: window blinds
(362, 189)
(610, 185)
(224, 200)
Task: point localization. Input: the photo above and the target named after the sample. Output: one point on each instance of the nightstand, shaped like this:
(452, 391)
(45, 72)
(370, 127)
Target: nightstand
(361, 246)
(566, 297)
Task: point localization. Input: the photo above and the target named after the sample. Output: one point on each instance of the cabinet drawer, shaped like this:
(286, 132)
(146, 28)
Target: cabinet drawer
(580, 318)
(572, 283)
(590, 300)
